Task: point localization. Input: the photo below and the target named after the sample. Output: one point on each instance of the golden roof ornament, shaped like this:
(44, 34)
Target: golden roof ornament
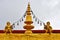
(28, 20)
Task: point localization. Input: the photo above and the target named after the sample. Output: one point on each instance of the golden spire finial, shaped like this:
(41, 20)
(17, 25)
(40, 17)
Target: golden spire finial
(28, 9)
(28, 3)
(28, 20)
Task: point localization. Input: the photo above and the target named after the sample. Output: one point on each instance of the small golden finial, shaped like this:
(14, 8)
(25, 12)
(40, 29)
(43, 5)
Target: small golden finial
(28, 9)
(28, 20)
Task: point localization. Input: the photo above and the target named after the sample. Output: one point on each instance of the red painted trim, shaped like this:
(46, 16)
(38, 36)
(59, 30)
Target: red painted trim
(34, 31)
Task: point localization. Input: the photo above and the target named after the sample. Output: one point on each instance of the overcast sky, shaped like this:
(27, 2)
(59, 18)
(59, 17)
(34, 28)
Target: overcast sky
(45, 10)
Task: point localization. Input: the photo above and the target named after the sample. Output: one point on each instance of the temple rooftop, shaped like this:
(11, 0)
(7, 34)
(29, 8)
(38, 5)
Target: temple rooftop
(28, 33)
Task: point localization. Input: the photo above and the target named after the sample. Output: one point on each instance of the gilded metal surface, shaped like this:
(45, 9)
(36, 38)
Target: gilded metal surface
(36, 36)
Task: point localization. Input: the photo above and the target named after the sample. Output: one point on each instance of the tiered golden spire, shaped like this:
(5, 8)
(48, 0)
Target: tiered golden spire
(28, 20)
